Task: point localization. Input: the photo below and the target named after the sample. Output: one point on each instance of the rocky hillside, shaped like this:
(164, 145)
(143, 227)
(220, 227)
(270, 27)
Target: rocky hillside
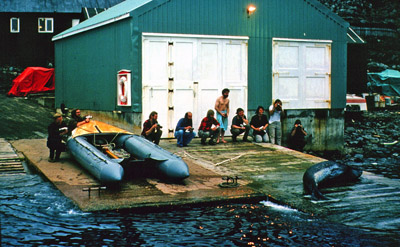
(383, 51)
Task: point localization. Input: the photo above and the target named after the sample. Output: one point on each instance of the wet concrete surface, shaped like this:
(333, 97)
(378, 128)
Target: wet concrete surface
(266, 171)
(73, 181)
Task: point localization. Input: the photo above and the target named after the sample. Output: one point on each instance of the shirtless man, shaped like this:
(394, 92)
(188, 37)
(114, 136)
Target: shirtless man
(222, 109)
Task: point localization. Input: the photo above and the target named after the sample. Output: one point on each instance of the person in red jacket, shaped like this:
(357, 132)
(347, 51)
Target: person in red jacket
(209, 127)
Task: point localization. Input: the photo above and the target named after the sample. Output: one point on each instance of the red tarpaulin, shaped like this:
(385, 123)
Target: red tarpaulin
(33, 80)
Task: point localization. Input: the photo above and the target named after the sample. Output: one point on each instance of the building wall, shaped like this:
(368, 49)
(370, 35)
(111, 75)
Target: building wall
(29, 47)
(272, 19)
(87, 66)
(87, 63)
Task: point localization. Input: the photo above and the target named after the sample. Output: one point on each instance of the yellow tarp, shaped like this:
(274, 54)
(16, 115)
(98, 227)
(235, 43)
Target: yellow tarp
(97, 127)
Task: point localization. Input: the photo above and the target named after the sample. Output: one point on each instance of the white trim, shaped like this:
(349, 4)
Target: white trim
(47, 29)
(176, 35)
(11, 25)
(351, 29)
(115, 19)
(302, 40)
(348, 35)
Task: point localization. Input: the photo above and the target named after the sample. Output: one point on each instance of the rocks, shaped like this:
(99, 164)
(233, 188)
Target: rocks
(373, 143)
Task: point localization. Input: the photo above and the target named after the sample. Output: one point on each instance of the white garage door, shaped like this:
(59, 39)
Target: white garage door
(302, 73)
(188, 73)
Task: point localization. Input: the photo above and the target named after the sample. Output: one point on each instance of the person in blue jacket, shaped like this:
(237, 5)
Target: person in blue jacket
(184, 130)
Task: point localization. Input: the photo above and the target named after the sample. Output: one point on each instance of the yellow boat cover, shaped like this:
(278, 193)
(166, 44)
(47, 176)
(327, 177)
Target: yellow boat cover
(97, 127)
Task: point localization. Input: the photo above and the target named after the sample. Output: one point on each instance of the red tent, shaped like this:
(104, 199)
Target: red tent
(33, 80)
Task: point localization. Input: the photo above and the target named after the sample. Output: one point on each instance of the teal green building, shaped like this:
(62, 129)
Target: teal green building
(174, 56)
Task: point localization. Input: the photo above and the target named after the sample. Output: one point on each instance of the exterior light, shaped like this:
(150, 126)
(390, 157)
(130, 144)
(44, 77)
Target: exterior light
(250, 10)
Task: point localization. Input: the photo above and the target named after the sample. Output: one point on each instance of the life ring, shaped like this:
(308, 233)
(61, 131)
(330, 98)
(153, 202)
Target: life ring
(122, 96)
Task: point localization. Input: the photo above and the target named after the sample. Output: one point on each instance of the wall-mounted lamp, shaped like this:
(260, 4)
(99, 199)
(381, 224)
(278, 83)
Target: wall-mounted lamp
(250, 10)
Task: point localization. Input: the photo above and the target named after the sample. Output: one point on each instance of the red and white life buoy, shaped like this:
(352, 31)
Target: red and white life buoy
(122, 96)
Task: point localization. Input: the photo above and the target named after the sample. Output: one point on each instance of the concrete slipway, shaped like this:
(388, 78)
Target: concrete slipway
(267, 171)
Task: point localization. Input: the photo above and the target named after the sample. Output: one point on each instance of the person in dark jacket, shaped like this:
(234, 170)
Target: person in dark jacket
(152, 129)
(184, 130)
(77, 119)
(259, 124)
(240, 125)
(56, 130)
(297, 136)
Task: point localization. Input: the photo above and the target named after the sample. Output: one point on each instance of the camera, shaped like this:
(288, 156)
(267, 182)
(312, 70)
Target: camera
(159, 126)
(89, 117)
(278, 107)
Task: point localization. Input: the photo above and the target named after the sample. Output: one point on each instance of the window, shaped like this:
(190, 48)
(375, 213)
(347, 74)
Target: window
(14, 25)
(45, 25)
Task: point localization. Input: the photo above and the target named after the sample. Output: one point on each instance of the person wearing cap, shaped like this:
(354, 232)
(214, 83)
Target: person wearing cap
(297, 136)
(240, 125)
(56, 130)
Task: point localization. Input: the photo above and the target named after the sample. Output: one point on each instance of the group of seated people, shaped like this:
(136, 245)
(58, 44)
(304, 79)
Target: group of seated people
(256, 129)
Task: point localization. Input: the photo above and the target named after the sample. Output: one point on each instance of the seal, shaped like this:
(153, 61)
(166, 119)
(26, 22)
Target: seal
(327, 174)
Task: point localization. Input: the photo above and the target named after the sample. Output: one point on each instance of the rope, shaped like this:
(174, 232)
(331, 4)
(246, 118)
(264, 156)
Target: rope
(234, 158)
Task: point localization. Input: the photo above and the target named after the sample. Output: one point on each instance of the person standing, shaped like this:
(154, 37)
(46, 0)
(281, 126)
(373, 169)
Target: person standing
(56, 130)
(275, 128)
(209, 127)
(151, 129)
(184, 130)
(222, 109)
(240, 125)
(297, 136)
(259, 124)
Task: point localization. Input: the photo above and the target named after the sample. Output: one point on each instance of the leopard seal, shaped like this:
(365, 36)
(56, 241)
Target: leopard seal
(327, 174)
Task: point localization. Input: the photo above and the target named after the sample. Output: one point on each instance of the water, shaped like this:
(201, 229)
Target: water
(34, 213)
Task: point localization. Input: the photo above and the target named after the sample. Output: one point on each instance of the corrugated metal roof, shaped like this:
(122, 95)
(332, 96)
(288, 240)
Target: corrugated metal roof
(116, 13)
(60, 6)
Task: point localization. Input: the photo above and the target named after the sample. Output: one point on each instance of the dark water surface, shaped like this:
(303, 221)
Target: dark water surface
(34, 213)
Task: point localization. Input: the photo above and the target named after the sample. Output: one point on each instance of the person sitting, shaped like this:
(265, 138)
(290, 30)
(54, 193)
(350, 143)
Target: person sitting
(184, 130)
(297, 137)
(56, 130)
(259, 124)
(209, 127)
(240, 125)
(151, 128)
(77, 119)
